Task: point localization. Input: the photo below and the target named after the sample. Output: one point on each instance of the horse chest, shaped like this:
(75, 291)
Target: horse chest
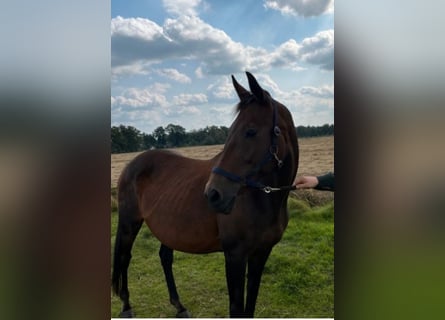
(251, 230)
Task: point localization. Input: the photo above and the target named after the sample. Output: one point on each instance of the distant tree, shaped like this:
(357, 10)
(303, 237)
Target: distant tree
(327, 130)
(311, 131)
(125, 139)
(176, 135)
(212, 135)
(130, 139)
(117, 141)
(161, 137)
(148, 141)
(195, 137)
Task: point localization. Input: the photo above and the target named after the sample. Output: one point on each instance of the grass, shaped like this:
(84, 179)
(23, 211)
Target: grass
(298, 279)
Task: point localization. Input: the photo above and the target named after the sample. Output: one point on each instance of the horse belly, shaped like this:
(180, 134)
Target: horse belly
(182, 222)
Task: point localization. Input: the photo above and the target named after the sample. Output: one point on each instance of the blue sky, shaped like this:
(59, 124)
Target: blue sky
(172, 60)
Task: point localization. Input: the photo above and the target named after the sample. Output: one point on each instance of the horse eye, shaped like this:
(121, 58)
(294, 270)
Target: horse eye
(251, 132)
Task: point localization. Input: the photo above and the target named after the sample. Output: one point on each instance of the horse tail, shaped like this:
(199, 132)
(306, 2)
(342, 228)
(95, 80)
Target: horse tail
(129, 224)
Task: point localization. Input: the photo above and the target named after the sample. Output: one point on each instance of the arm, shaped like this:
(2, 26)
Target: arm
(326, 182)
(323, 182)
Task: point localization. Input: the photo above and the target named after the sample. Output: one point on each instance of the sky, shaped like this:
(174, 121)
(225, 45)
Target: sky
(172, 60)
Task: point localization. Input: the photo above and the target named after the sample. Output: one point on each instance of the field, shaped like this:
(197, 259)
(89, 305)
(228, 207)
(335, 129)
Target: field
(298, 281)
(316, 157)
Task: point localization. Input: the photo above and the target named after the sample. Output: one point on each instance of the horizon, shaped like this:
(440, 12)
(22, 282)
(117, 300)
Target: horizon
(198, 129)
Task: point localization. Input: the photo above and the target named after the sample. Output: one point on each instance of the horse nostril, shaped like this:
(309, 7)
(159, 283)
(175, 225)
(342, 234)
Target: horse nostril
(214, 196)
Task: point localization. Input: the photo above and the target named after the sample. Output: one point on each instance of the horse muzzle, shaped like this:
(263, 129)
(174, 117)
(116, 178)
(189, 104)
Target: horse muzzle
(221, 195)
(218, 201)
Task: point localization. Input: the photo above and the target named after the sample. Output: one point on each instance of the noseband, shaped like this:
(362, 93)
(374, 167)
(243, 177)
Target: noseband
(270, 155)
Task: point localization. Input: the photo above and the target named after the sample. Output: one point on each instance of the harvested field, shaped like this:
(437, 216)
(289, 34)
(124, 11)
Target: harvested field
(316, 158)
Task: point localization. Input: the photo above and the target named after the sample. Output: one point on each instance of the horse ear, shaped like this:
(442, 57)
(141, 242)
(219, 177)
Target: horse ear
(255, 87)
(242, 93)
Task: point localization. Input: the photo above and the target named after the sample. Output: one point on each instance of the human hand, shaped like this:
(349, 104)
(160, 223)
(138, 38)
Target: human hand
(306, 182)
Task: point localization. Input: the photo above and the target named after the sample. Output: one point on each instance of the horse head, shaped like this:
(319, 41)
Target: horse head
(261, 148)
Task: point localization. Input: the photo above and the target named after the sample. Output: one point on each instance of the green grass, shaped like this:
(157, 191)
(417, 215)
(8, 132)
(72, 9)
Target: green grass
(298, 279)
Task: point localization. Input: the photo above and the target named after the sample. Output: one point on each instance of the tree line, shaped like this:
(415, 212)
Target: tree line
(311, 131)
(129, 139)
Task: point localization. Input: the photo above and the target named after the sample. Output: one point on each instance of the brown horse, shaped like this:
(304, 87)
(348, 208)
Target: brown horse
(235, 202)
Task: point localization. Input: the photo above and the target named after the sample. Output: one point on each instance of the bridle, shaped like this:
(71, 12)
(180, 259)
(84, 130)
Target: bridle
(272, 154)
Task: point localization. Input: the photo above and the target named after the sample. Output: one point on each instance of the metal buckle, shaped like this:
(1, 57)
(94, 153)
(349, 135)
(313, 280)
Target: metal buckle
(277, 130)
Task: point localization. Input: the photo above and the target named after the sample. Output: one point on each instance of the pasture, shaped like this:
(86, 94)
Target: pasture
(298, 280)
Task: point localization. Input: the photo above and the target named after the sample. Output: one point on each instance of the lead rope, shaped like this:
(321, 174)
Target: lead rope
(268, 189)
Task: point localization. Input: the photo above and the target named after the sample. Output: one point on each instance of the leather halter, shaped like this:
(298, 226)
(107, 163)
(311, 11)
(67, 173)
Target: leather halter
(270, 155)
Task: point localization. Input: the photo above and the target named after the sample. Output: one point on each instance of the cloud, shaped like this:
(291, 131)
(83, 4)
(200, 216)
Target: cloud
(150, 97)
(135, 40)
(141, 41)
(190, 110)
(135, 68)
(147, 108)
(287, 53)
(139, 28)
(196, 39)
(182, 7)
(320, 92)
(308, 104)
(222, 89)
(175, 75)
(305, 8)
(152, 104)
(188, 99)
(198, 73)
(319, 49)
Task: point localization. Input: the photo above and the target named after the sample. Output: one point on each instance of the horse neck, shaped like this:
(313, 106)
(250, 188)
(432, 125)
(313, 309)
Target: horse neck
(215, 158)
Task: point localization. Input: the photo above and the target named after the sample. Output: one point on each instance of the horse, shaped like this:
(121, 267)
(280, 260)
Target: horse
(235, 203)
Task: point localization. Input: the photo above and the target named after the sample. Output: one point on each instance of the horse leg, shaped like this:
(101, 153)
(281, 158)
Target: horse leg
(235, 275)
(255, 267)
(126, 234)
(166, 255)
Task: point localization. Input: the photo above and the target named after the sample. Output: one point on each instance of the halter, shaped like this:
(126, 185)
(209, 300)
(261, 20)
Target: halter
(270, 155)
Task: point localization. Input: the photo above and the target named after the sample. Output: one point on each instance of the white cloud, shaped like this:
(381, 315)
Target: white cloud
(319, 49)
(147, 108)
(305, 8)
(137, 40)
(198, 40)
(190, 110)
(306, 102)
(144, 120)
(187, 99)
(198, 73)
(136, 27)
(135, 68)
(185, 44)
(287, 53)
(188, 37)
(321, 92)
(222, 89)
(150, 97)
(182, 7)
(174, 74)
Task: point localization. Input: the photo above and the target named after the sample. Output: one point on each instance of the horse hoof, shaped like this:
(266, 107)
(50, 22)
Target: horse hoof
(183, 314)
(127, 314)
